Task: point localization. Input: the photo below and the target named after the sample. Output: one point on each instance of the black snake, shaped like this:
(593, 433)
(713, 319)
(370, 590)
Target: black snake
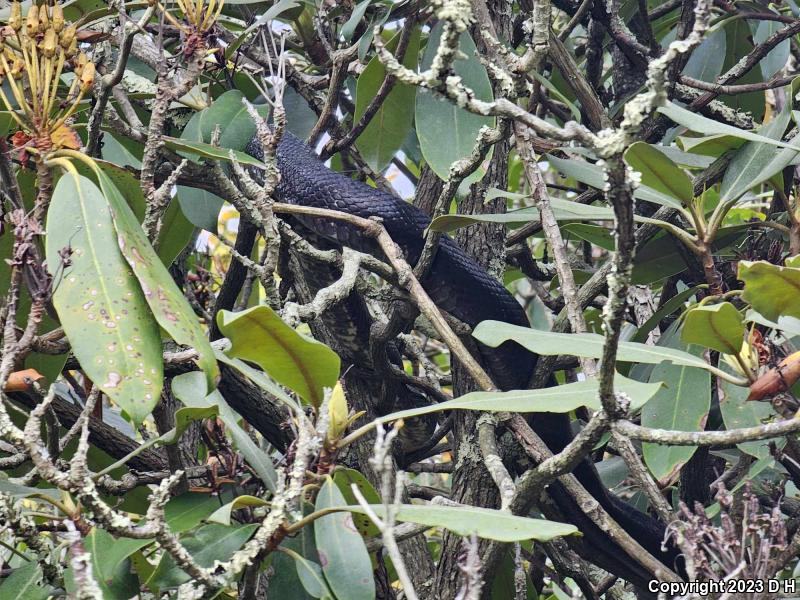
(459, 285)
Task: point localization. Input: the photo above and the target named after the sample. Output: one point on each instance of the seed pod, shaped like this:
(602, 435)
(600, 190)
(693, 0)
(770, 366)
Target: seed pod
(58, 18)
(44, 18)
(87, 76)
(50, 43)
(32, 22)
(68, 36)
(15, 20)
(73, 48)
(17, 68)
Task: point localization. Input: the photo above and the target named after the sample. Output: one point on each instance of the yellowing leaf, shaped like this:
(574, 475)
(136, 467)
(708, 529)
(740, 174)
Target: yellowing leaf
(65, 137)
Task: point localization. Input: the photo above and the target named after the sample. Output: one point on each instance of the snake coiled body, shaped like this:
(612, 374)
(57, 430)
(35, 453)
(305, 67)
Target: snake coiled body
(459, 285)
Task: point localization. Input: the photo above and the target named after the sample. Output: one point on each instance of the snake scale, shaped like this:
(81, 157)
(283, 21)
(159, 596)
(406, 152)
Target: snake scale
(460, 286)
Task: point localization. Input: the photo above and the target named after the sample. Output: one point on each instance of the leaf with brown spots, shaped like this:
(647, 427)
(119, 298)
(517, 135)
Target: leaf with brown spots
(99, 302)
(169, 306)
(290, 358)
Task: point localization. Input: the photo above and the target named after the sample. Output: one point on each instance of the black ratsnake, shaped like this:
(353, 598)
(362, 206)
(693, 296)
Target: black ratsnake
(459, 285)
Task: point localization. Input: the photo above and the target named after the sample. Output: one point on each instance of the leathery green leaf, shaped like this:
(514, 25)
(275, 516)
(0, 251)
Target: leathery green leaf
(447, 132)
(290, 358)
(167, 302)
(701, 124)
(738, 412)
(189, 389)
(99, 302)
(682, 403)
(719, 327)
(659, 172)
(560, 399)
(26, 583)
(223, 514)
(770, 289)
(483, 522)
(494, 333)
(342, 552)
(388, 129)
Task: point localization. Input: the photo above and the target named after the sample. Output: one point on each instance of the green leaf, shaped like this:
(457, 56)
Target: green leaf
(290, 358)
(116, 153)
(564, 210)
(270, 14)
(167, 302)
(494, 333)
(682, 404)
(208, 544)
(738, 412)
(25, 583)
(349, 28)
(260, 379)
(345, 478)
(185, 417)
(17, 491)
(229, 114)
(770, 289)
(310, 574)
(99, 301)
(223, 514)
(755, 162)
(560, 399)
(176, 233)
(659, 172)
(189, 510)
(669, 307)
(776, 59)
(707, 59)
(208, 151)
(342, 553)
(111, 564)
(594, 176)
(739, 44)
(446, 132)
(7, 123)
(707, 126)
(200, 207)
(711, 145)
(388, 129)
(483, 522)
(719, 327)
(188, 388)
(594, 234)
(300, 118)
(285, 582)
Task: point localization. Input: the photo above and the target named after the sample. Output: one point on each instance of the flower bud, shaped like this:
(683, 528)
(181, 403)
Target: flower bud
(15, 20)
(58, 18)
(32, 23)
(68, 36)
(49, 43)
(87, 76)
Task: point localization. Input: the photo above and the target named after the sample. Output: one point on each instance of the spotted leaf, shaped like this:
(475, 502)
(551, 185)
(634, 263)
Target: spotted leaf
(169, 306)
(99, 302)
